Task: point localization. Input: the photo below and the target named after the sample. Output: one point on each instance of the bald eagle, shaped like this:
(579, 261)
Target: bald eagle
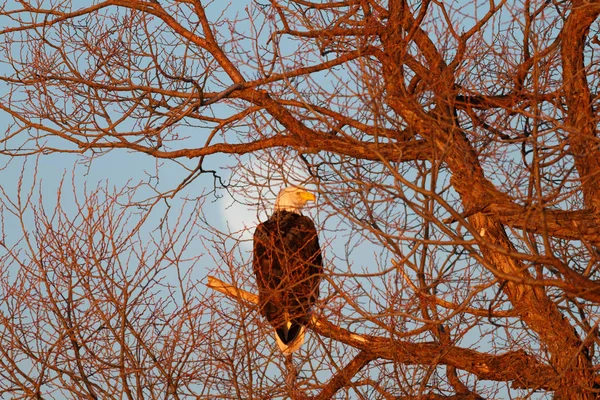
(288, 267)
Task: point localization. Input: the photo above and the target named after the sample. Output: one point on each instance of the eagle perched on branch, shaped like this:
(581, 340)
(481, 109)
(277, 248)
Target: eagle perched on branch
(288, 267)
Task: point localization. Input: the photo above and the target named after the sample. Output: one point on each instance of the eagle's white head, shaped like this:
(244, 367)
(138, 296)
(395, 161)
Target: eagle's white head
(293, 198)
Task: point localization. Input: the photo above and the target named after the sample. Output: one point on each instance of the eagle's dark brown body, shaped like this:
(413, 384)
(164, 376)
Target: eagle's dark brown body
(288, 267)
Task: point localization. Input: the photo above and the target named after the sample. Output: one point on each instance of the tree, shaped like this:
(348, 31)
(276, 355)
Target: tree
(455, 145)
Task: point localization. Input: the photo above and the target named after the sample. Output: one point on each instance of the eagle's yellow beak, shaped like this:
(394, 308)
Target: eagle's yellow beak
(308, 196)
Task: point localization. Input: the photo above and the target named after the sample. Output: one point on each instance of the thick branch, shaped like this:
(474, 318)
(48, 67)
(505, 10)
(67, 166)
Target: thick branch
(517, 366)
(343, 377)
(581, 121)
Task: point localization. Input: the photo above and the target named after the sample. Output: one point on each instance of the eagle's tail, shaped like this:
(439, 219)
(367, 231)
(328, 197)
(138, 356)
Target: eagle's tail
(290, 337)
